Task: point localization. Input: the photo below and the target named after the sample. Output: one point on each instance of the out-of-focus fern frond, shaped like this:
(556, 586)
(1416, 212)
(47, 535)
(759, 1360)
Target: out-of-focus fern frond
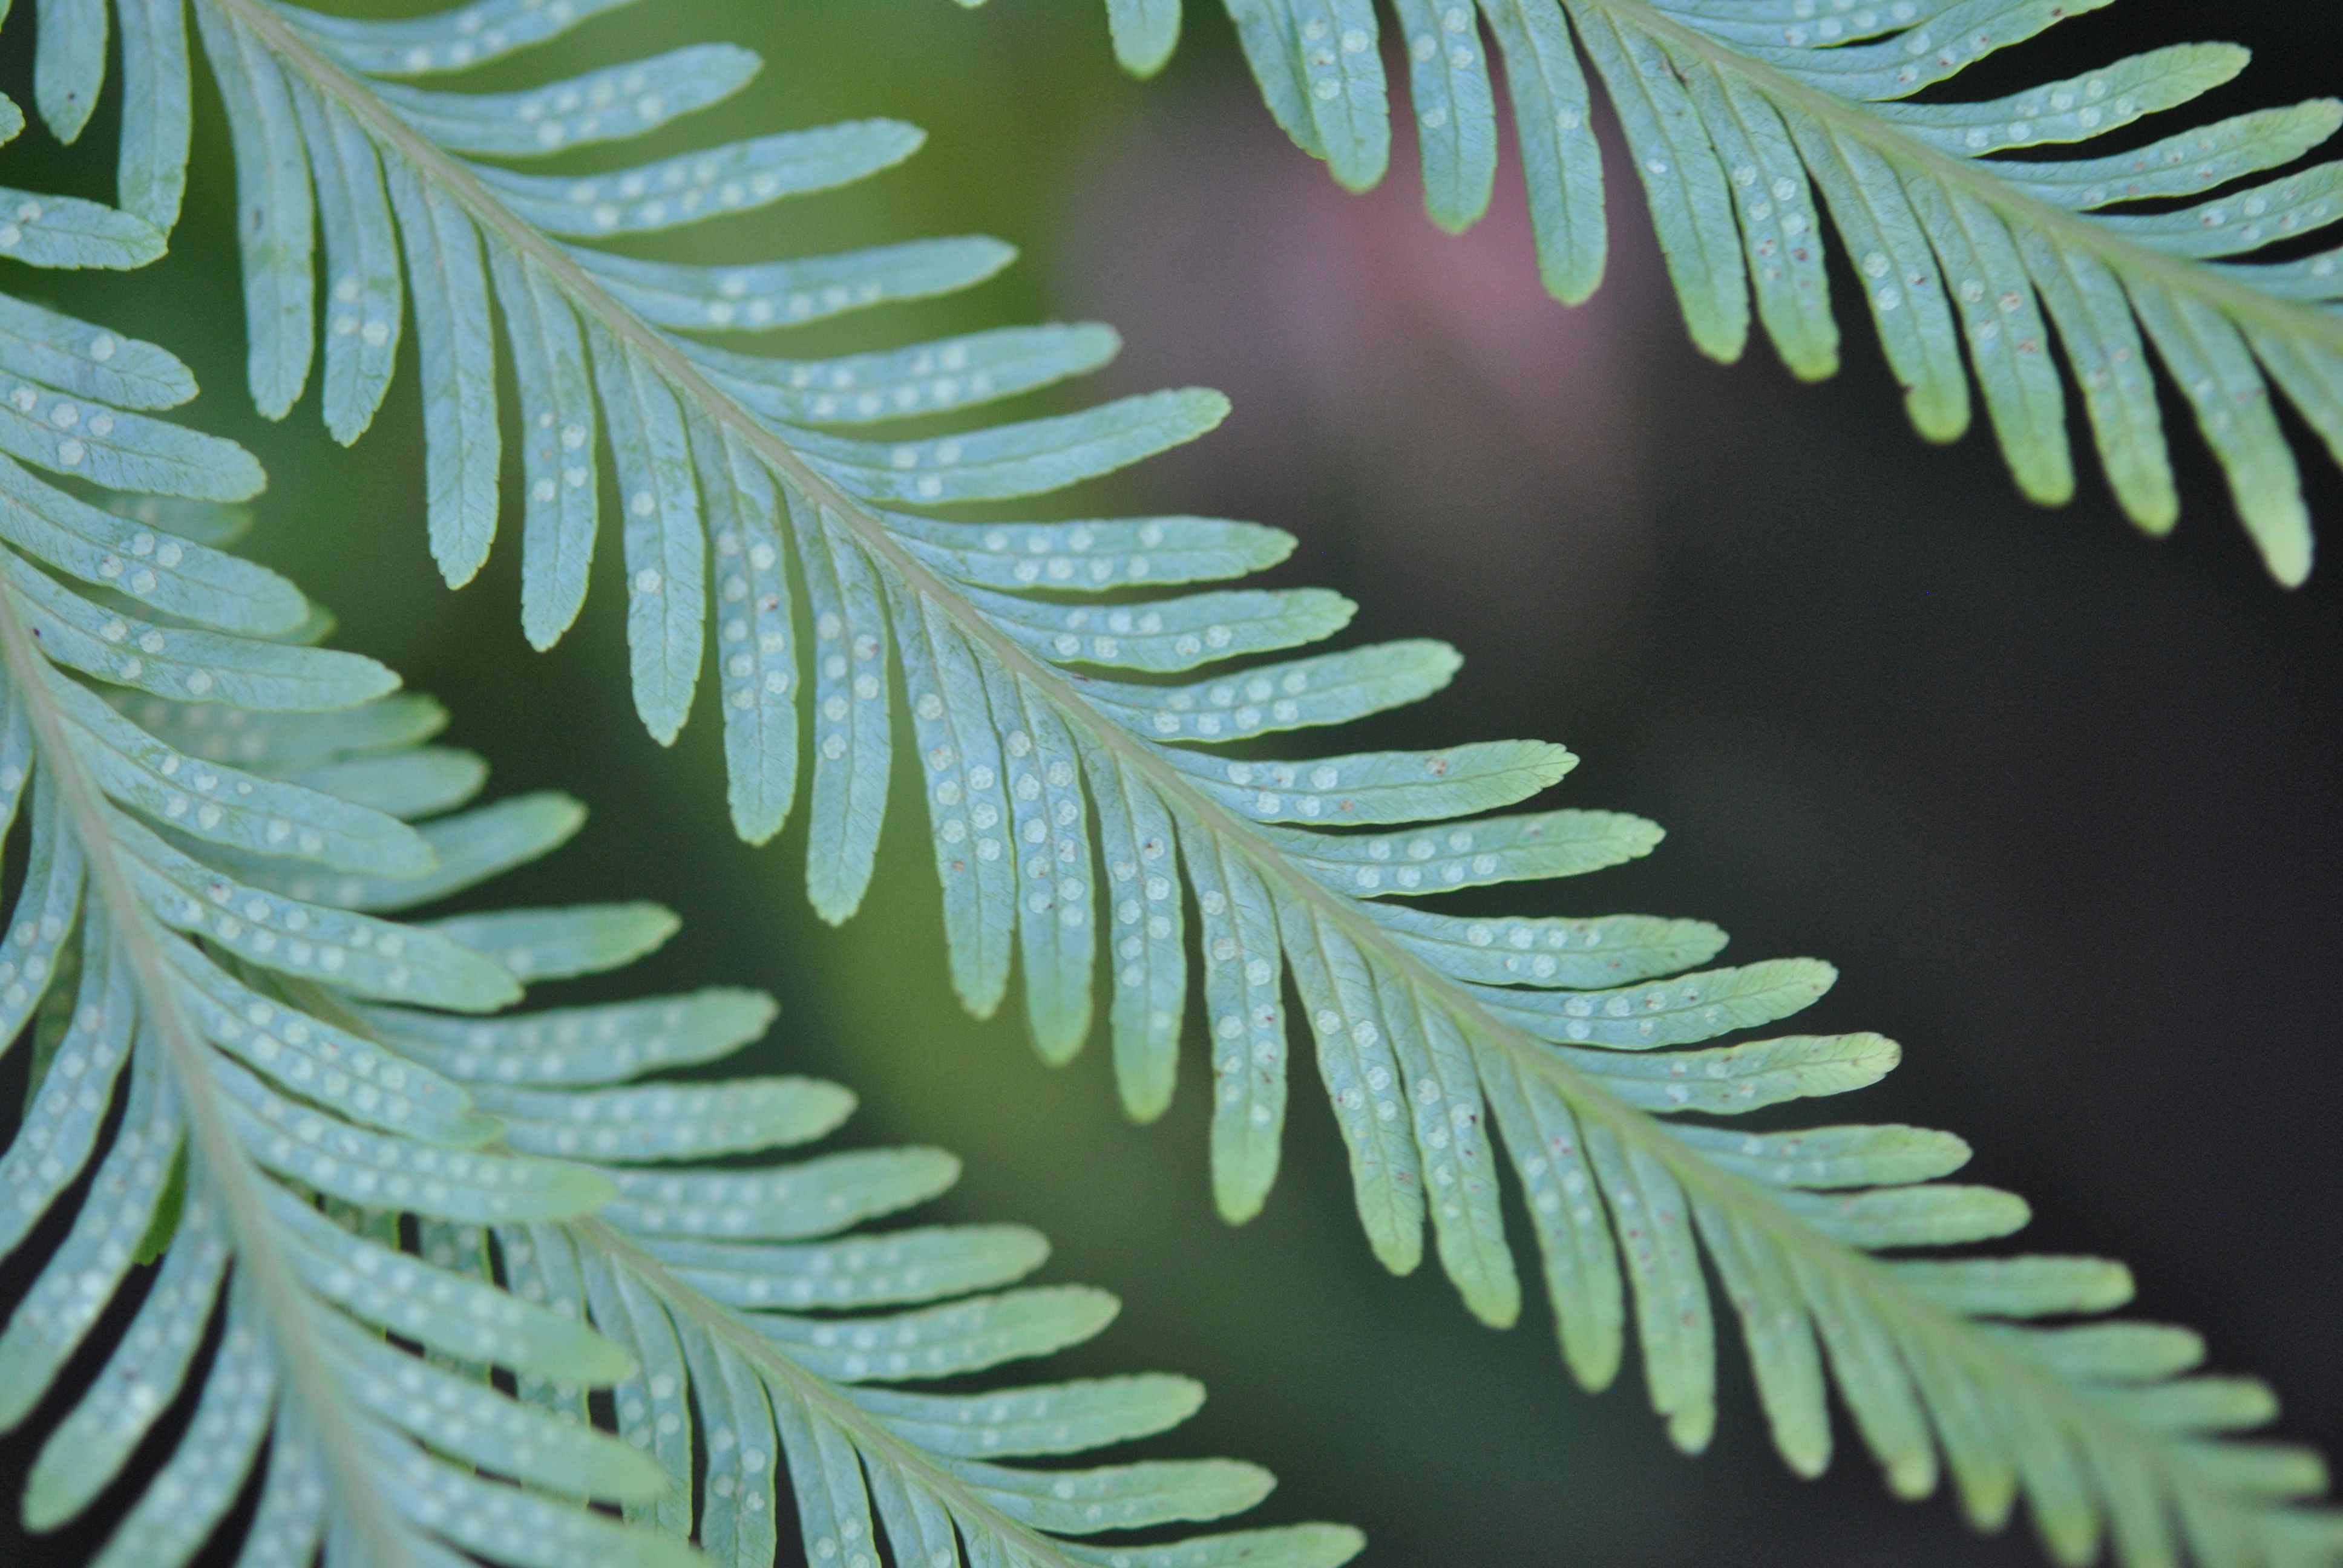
(1751, 121)
(331, 1150)
(1065, 719)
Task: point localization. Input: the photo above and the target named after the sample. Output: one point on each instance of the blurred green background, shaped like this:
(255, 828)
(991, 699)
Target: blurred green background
(2061, 801)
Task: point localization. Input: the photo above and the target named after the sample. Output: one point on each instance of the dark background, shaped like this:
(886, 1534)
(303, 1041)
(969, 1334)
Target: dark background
(2059, 800)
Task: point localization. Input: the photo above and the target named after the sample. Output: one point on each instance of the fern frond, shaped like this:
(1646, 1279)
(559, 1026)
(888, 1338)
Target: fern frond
(1068, 809)
(1751, 121)
(218, 998)
(326, 1144)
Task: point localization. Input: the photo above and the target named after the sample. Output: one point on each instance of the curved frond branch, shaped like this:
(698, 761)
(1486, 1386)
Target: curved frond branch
(172, 914)
(1750, 125)
(978, 1512)
(220, 1162)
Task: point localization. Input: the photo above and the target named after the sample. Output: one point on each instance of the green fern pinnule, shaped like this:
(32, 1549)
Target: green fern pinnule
(1071, 808)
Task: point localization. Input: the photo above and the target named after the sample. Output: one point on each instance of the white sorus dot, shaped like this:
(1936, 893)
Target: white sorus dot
(375, 333)
(70, 452)
(643, 504)
(647, 581)
(542, 491)
(102, 347)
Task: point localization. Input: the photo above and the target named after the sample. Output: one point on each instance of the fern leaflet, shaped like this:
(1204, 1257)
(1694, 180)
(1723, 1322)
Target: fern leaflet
(1040, 771)
(1737, 113)
(217, 829)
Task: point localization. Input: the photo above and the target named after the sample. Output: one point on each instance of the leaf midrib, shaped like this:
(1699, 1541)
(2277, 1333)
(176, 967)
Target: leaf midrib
(1753, 1203)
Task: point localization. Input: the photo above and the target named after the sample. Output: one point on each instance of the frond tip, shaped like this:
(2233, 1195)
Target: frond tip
(383, 1188)
(1750, 121)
